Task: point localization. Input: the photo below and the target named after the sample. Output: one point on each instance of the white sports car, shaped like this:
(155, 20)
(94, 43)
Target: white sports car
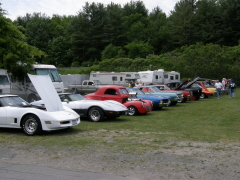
(94, 110)
(17, 113)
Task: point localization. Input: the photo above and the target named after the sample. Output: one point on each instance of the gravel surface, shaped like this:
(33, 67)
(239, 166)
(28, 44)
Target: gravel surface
(184, 160)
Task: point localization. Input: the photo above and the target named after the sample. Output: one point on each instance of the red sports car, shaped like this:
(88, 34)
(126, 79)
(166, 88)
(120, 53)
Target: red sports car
(120, 94)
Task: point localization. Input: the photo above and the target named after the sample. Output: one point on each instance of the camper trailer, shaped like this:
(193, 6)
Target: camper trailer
(117, 78)
(25, 88)
(158, 77)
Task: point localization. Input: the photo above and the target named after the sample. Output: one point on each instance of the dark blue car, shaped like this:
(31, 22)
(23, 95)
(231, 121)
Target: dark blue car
(158, 101)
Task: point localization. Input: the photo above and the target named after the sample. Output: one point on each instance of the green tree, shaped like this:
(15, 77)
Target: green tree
(16, 55)
(138, 49)
(110, 52)
(181, 23)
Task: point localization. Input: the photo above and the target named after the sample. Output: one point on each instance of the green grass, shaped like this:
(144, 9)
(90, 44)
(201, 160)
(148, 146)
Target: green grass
(208, 120)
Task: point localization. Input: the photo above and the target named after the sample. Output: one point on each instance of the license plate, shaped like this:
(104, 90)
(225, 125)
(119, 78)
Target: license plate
(74, 122)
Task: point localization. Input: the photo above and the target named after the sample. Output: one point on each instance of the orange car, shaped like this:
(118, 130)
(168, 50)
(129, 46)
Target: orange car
(205, 92)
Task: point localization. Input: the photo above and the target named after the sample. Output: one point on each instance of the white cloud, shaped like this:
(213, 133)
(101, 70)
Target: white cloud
(17, 8)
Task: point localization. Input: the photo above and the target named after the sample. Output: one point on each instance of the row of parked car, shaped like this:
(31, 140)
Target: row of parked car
(59, 111)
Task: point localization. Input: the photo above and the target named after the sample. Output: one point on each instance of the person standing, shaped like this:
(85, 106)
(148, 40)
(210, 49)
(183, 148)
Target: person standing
(218, 85)
(231, 88)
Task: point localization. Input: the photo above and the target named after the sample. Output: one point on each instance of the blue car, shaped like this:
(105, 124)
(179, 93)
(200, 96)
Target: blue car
(158, 101)
(153, 90)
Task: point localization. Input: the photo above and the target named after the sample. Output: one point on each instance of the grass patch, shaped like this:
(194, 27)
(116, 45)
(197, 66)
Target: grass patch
(209, 120)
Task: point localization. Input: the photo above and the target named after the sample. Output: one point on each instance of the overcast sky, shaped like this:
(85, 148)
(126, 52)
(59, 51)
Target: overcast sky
(17, 8)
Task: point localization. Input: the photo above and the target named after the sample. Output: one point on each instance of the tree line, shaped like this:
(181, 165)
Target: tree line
(197, 38)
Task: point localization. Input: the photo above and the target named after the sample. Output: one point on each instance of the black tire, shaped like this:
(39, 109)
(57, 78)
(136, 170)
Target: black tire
(173, 103)
(31, 125)
(184, 100)
(132, 111)
(203, 96)
(95, 114)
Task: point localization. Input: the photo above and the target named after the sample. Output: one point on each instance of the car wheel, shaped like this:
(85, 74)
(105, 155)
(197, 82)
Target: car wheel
(132, 111)
(203, 96)
(173, 103)
(193, 98)
(31, 125)
(184, 100)
(95, 114)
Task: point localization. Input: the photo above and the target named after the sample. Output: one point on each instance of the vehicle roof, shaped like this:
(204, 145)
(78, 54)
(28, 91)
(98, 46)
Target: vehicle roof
(113, 86)
(7, 95)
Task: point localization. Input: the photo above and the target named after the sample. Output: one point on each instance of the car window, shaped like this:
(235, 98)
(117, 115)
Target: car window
(14, 101)
(75, 97)
(111, 92)
(123, 91)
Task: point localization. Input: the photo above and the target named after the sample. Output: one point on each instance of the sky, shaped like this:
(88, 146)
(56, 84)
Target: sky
(17, 8)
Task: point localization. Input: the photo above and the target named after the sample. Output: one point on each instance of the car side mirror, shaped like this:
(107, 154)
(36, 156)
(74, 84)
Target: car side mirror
(66, 100)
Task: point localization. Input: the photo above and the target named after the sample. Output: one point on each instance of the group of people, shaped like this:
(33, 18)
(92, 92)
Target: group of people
(222, 86)
(133, 84)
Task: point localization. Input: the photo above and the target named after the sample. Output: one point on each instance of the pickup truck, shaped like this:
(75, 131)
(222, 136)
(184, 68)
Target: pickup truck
(87, 86)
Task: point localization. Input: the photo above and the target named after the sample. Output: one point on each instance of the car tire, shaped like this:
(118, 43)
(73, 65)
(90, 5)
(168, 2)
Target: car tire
(95, 114)
(184, 100)
(31, 125)
(132, 111)
(203, 96)
(173, 103)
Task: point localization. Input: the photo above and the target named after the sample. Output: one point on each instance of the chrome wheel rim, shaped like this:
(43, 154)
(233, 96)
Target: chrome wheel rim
(95, 115)
(131, 111)
(31, 125)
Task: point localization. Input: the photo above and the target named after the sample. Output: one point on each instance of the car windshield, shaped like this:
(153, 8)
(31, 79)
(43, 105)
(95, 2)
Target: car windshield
(97, 82)
(152, 89)
(14, 101)
(163, 87)
(53, 73)
(135, 90)
(75, 97)
(123, 91)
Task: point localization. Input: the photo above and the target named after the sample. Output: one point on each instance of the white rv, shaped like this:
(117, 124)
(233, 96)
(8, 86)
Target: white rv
(158, 77)
(25, 88)
(117, 78)
(5, 86)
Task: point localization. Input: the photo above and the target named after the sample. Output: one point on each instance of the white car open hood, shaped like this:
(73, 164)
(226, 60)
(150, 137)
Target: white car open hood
(47, 92)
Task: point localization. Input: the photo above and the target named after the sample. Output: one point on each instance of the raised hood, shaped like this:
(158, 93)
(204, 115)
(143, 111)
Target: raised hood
(47, 92)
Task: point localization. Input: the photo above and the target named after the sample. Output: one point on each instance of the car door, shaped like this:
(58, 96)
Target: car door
(111, 94)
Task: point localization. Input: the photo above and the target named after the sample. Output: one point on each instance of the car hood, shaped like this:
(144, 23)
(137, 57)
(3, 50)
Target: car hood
(47, 92)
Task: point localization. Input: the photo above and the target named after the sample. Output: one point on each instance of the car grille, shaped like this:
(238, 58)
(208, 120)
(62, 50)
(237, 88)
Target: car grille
(165, 101)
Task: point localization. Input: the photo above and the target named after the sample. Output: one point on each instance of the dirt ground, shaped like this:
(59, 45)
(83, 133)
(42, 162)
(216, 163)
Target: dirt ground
(182, 161)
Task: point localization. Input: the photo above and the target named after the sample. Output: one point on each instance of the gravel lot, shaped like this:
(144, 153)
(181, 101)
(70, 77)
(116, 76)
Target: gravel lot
(184, 160)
